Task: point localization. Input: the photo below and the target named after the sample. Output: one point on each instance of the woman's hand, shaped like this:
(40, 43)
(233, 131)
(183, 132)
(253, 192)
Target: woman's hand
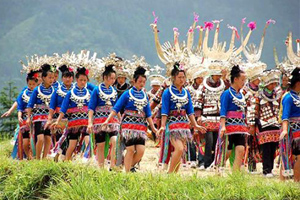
(199, 121)
(223, 131)
(282, 135)
(54, 125)
(6, 114)
(200, 128)
(104, 125)
(161, 131)
(90, 128)
(48, 124)
(20, 119)
(28, 121)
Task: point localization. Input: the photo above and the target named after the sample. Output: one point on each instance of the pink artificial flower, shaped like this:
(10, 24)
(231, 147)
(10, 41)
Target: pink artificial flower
(286, 42)
(196, 17)
(271, 21)
(217, 21)
(208, 25)
(155, 18)
(181, 66)
(244, 20)
(235, 30)
(252, 25)
(70, 69)
(191, 30)
(175, 29)
(231, 27)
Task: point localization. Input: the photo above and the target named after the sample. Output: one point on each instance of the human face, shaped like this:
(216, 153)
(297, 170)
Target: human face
(180, 79)
(81, 81)
(110, 79)
(121, 80)
(240, 81)
(49, 79)
(155, 87)
(67, 80)
(285, 81)
(56, 76)
(31, 84)
(199, 80)
(216, 78)
(256, 82)
(271, 86)
(140, 83)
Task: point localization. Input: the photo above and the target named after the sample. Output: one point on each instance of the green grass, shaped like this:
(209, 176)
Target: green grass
(49, 180)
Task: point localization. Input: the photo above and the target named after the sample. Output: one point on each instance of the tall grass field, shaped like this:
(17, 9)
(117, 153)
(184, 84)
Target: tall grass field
(49, 180)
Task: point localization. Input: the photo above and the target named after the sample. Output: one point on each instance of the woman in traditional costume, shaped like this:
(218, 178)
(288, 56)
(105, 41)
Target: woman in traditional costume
(38, 110)
(136, 115)
(56, 101)
(103, 99)
(177, 109)
(267, 109)
(290, 136)
(22, 101)
(232, 115)
(75, 105)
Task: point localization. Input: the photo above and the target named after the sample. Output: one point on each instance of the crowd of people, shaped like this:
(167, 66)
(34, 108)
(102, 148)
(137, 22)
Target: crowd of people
(210, 106)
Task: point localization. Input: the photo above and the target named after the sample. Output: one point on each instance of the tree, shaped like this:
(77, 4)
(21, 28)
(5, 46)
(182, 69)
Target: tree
(8, 96)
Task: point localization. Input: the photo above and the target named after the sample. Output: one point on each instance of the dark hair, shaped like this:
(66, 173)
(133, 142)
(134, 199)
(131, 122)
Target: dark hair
(108, 70)
(175, 71)
(140, 71)
(31, 76)
(45, 69)
(119, 58)
(65, 72)
(81, 71)
(295, 77)
(235, 73)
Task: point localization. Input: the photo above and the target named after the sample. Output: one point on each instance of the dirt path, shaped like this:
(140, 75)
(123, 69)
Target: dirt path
(149, 163)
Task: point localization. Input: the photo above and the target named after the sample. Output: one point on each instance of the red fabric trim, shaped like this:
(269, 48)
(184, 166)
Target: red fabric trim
(236, 128)
(296, 134)
(137, 127)
(179, 126)
(76, 109)
(235, 114)
(78, 122)
(39, 118)
(268, 136)
(102, 119)
(211, 126)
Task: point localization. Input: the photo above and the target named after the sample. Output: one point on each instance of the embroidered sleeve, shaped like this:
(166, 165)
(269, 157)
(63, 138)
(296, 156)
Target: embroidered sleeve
(224, 103)
(53, 100)
(147, 110)
(65, 103)
(286, 108)
(20, 102)
(121, 103)
(93, 100)
(252, 110)
(190, 108)
(33, 98)
(165, 107)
